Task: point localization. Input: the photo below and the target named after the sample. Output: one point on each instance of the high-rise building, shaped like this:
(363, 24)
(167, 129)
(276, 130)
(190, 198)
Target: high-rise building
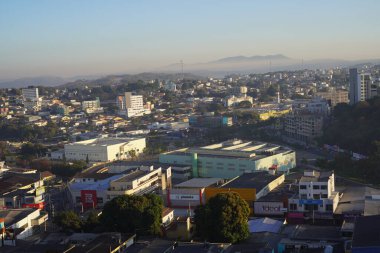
(31, 99)
(131, 105)
(92, 106)
(361, 86)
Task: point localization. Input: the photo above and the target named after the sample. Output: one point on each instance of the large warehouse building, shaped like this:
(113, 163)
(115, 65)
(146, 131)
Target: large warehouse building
(104, 149)
(232, 158)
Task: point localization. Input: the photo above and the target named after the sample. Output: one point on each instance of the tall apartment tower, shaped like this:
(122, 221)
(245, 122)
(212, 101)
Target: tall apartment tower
(361, 87)
(31, 99)
(131, 105)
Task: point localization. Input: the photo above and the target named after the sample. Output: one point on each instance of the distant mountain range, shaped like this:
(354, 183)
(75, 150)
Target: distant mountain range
(241, 58)
(261, 64)
(118, 79)
(218, 68)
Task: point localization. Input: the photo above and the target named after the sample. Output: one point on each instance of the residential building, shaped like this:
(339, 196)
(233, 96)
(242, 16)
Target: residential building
(104, 149)
(306, 120)
(316, 193)
(303, 126)
(92, 106)
(131, 105)
(334, 96)
(22, 188)
(31, 99)
(232, 158)
(361, 86)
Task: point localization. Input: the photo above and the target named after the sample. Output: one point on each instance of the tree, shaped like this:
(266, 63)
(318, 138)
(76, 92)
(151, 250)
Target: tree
(133, 214)
(68, 220)
(223, 219)
(92, 222)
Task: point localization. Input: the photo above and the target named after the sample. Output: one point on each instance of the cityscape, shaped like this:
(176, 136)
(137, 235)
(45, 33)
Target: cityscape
(170, 127)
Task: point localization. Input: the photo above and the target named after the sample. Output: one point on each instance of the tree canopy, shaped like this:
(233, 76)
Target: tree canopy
(355, 127)
(223, 219)
(133, 214)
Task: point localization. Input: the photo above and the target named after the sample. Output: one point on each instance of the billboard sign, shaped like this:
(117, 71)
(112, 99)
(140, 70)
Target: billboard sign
(311, 202)
(88, 198)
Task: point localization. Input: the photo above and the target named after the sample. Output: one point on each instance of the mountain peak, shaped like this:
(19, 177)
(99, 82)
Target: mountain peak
(241, 58)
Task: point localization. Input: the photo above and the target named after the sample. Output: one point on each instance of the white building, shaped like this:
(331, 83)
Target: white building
(131, 105)
(104, 149)
(95, 187)
(361, 86)
(239, 95)
(31, 99)
(92, 106)
(22, 221)
(316, 193)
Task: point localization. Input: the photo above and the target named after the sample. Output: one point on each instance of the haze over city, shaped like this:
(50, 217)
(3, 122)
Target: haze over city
(79, 38)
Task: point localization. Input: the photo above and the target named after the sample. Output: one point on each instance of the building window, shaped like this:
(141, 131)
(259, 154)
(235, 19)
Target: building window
(316, 196)
(302, 187)
(324, 196)
(316, 187)
(323, 187)
(303, 196)
(293, 207)
(329, 207)
(78, 199)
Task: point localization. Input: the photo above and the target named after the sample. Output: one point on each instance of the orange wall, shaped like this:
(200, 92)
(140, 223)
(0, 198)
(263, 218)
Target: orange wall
(248, 194)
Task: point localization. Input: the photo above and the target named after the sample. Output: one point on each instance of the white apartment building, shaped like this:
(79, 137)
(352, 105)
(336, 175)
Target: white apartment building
(316, 193)
(31, 99)
(92, 106)
(104, 149)
(361, 86)
(131, 105)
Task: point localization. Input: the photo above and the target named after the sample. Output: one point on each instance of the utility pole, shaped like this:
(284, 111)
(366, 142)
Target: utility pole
(181, 62)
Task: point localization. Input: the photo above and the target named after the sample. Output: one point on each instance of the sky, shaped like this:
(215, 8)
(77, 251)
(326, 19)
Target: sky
(88, 37)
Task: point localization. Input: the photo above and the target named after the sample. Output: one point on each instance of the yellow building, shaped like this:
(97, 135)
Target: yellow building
(272, 114)
(250, 186)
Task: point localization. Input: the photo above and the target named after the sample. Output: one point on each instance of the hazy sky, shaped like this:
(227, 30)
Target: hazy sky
(83, 37)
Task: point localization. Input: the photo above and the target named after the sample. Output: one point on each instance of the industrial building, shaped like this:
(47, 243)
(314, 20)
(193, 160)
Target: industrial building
(232, 158)
(104, 149)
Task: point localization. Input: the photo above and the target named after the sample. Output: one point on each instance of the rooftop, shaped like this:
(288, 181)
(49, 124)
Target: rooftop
(12, 216)
(257, 180)
(106, 141)
(132, 176)
(199, 183)
(316, 176)
(366, 232)
(238, 149)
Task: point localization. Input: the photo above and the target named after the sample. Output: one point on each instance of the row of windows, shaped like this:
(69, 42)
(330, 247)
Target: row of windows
(315, 187)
